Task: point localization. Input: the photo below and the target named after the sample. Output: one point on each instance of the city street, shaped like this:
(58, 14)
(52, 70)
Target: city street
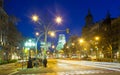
(73, 67)
(59, 37)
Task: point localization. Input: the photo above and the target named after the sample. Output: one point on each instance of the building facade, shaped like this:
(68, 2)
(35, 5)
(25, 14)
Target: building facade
(108, 30)
(3, 29)
(3, 24)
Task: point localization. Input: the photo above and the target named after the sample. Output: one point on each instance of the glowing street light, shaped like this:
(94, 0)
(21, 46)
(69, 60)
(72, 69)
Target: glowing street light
(81, 40)
(53, 46)
(96, 46)
(67, 47)
(97, 38)
(35, 18)
(37, 33)
(58, 19)
(73, 44)
(51, 33)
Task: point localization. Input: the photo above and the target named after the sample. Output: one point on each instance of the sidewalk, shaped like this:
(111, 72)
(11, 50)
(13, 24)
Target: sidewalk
(5, 69)
(37, 70)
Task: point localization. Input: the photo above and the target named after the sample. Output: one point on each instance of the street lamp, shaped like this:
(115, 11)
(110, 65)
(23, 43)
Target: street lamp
(35, 18)
(67, 47)
(96, 42)
(37, 34)
(53, 46)
(47, 29)
(58, 19)
(38, 37)
(51, 33)
(81, 40)
(97, 38)
(73, 44)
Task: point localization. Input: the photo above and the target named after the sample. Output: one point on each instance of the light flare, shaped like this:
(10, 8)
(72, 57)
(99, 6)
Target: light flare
(58, 19)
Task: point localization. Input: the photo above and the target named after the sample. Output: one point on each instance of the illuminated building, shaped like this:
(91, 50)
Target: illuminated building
(61, 42)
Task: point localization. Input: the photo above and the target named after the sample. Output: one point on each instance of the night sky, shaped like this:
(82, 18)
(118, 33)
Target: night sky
(73, 12)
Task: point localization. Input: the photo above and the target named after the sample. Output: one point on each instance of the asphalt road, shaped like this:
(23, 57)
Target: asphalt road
(72, 67)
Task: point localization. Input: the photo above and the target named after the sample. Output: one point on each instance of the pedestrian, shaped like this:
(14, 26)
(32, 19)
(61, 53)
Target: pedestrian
(45, 62)
(29, 64)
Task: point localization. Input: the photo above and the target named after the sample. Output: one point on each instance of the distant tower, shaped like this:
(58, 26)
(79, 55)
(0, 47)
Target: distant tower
(107, 19)
(89, 19)
(108, 14)
(1, 3)
(61, 42)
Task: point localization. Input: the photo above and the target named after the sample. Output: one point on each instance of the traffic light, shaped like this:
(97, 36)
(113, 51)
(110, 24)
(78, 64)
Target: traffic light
(67, 31)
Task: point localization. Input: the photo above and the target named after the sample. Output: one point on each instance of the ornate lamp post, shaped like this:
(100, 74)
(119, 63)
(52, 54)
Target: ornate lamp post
(38, 37)
(58, 20)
